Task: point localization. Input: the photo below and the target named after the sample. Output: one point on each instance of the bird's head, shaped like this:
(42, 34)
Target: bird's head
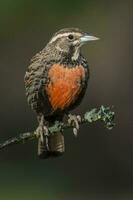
(69, 41)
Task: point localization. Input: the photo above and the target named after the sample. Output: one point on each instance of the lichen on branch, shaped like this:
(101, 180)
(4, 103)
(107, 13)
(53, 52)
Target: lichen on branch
(103, 114)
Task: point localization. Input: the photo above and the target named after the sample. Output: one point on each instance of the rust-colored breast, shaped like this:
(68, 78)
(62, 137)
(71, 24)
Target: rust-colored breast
(64, 86)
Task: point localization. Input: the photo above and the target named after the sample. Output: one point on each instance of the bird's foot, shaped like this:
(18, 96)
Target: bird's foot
(74, 120)
(43, 146)
(42, 132)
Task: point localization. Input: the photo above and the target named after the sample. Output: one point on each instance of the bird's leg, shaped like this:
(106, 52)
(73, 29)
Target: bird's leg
(74, 120)
(42, 130)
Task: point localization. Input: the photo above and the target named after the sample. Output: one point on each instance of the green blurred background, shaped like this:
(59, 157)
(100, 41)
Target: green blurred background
(99, 163)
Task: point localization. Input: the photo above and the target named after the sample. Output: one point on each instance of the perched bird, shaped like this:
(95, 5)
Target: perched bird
(55, 82)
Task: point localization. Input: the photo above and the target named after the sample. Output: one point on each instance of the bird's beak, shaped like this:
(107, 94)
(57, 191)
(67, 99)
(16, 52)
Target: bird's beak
(85, 38)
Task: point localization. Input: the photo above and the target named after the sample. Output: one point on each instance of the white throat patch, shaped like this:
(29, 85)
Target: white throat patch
(76, 54)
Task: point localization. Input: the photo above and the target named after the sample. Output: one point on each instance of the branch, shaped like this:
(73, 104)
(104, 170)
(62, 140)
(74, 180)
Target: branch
(103, 114)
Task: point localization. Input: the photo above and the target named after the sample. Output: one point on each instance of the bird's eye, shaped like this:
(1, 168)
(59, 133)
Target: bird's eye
(71, 37)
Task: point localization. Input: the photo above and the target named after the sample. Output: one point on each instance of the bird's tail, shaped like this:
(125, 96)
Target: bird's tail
(52, 146)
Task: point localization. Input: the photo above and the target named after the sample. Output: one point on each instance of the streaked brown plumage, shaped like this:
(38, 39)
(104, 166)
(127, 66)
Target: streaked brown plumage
(56, 82)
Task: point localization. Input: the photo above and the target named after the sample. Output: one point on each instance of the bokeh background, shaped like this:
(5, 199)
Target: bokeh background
(99, 163)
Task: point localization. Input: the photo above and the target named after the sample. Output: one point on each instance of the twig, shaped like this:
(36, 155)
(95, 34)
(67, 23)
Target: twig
(103, 114)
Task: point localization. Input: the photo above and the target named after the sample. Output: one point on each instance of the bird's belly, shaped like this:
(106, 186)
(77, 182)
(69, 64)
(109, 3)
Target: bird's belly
(64, 86)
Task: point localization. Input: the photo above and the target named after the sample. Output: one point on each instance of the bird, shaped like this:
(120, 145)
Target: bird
(55, 83)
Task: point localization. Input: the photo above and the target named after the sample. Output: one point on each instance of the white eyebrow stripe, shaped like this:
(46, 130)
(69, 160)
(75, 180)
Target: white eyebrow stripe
(62, 34)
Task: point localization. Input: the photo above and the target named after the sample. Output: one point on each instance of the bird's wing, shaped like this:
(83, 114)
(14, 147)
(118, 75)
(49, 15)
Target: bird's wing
(35, 80)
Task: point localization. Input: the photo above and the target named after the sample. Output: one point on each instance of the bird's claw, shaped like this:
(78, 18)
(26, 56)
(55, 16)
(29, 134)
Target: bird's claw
(74, 120)
(41, 132)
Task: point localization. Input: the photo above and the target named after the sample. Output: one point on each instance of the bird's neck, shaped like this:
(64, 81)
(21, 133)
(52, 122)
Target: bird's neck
(72, 56)
(75, 54)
